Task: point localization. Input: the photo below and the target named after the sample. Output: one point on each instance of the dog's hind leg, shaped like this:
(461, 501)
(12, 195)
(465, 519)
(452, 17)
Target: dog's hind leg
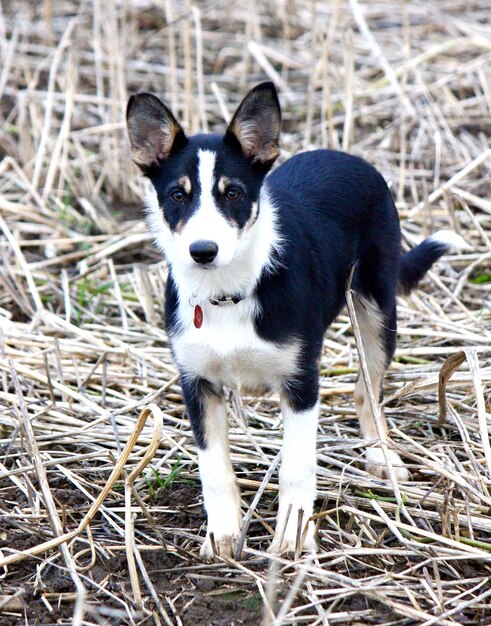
(208, 413)
(378, 333)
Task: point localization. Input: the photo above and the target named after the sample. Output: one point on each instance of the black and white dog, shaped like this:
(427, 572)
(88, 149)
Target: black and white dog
(258, 267)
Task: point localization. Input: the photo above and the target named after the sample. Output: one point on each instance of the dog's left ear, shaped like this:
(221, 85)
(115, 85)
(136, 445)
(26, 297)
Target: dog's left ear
(256, 124)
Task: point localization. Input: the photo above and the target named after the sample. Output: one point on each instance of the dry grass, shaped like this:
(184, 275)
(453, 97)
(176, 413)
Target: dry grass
(406, 85)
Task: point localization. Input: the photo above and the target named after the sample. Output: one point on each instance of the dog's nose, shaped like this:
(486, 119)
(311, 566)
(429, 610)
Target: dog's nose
(203, 251)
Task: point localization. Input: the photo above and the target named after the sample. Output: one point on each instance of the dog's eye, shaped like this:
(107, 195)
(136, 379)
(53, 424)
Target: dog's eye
(232, 194)
(177, 195)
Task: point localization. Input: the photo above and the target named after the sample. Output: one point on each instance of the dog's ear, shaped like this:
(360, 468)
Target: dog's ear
(256, 124)
(152, 129)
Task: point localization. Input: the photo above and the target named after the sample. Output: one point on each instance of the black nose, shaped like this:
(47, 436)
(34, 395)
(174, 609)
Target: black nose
(203, 251)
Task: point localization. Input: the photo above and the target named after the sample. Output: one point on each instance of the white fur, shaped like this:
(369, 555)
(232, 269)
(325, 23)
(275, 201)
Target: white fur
(207, 223)
(220, 491)
(297, 478)
(226, 349)
(376, 465)
(451, 239)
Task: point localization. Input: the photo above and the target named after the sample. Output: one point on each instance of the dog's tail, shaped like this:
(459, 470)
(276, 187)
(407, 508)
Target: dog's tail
(416, 262)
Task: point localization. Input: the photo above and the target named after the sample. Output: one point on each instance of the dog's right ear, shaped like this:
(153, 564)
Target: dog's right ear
(152, 129)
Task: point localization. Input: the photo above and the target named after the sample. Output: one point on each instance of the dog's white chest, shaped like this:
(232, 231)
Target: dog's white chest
(226, 350)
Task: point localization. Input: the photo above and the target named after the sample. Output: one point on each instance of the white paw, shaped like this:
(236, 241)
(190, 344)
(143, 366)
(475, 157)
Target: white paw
(225, 546)
(286, 542)
(375, 464)
(222, 504)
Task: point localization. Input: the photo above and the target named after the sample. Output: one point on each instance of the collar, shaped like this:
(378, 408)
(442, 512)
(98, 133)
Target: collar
(219, 301)
(225, 300)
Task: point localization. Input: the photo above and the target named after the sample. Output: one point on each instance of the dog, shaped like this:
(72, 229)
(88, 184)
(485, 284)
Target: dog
(258, 266)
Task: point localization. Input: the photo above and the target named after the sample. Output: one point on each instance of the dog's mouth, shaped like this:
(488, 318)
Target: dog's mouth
(215, 265)
(205, 267)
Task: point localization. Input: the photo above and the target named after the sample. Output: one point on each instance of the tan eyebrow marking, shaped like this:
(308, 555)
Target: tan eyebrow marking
(223, 183)
(180, 226)
(185, 182)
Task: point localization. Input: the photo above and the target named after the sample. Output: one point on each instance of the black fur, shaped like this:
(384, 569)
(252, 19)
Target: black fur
(195, 392)
(416, 262)
(334, 211)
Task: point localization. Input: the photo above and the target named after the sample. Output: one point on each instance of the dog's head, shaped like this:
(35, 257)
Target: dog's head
(206, 186)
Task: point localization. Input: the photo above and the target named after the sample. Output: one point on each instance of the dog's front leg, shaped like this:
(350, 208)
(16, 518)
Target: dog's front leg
(208, 414)
(300, 411)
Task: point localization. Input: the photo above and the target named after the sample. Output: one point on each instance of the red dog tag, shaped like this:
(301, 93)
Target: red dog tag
(198, 316)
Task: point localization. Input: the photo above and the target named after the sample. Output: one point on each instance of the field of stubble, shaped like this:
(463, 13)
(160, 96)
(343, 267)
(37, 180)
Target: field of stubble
(407, 85)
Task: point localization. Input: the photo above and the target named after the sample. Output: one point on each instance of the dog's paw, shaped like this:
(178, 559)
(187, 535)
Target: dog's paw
(375, 464)
(287, 544)
(225, 546)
